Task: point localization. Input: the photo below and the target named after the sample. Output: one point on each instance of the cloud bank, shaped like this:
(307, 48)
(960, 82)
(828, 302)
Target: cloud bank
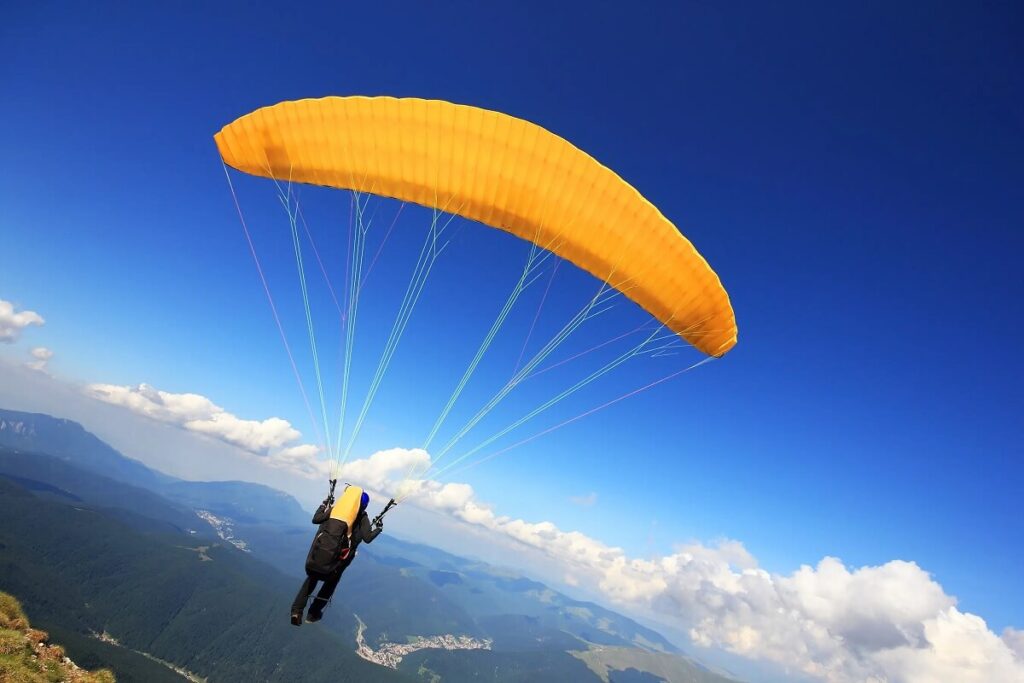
(891, 623)
(12, 324)
(273, 439)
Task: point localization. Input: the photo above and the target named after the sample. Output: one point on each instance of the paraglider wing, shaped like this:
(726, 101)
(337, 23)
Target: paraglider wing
(501, 171)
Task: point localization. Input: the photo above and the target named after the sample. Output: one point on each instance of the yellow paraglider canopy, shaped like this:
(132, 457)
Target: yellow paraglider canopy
(501, 171)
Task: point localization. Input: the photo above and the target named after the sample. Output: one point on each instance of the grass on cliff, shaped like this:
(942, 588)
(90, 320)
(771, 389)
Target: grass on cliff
(26, 656)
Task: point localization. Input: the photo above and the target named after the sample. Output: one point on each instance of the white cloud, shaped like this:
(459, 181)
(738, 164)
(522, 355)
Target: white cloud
(162, 445)
(380, 469)
(585, 501)
(957, 647)
(12, 324)
(303, 460)
(891, 623)
(258, 436)
(1014, 640)
(273, 437)
(40, 357)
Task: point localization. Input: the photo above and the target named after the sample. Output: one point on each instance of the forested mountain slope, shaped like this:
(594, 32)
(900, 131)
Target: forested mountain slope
(141, 572)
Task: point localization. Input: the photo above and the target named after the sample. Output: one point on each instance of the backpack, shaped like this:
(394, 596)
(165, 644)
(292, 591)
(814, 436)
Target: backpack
(330, 547)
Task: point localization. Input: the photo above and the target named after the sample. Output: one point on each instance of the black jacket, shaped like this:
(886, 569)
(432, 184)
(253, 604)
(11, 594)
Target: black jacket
(362, 530)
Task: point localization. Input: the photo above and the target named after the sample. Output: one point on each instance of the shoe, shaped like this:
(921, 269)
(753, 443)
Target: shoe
(313, 617)
(296, 618)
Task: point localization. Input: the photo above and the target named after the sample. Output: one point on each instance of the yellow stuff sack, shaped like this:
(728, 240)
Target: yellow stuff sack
(347, 507)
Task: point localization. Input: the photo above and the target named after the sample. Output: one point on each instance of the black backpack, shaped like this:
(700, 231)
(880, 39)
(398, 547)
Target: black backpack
(330, 547)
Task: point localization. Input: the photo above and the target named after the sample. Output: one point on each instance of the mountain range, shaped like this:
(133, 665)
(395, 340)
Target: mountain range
(157, 578)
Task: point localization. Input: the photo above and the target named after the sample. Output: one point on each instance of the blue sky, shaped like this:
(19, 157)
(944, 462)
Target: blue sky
(852, 173)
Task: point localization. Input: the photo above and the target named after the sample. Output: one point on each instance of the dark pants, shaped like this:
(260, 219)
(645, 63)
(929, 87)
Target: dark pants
(322, 596)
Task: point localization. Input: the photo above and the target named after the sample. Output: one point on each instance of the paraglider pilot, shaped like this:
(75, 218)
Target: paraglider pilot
(343, 526)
